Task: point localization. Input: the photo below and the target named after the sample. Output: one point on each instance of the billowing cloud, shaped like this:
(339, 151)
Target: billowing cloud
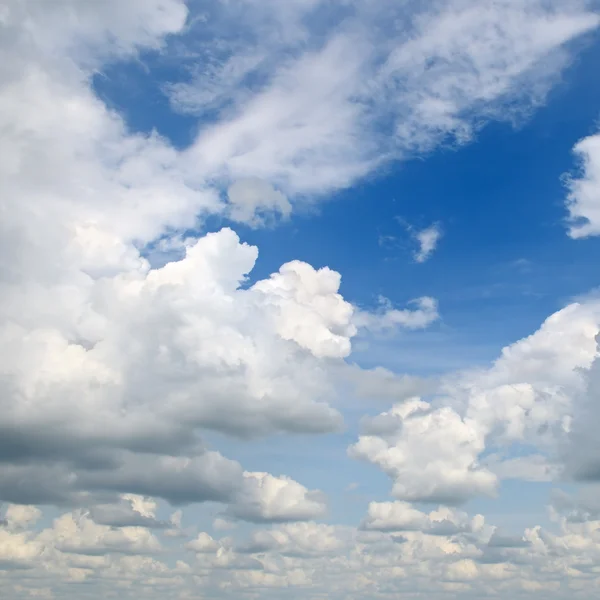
(430, 454)
(531, 396)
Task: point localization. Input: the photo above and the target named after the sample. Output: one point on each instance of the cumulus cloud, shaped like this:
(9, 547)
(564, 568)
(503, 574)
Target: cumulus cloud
(531, 397)
(151, 356)
(583, 201)
(203, 543)
(430, 454)
(308, 308)
(397, 516)
(298, 539)
(265, 498)
(75, 533)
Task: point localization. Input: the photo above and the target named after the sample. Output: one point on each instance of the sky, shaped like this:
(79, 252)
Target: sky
(299, 299)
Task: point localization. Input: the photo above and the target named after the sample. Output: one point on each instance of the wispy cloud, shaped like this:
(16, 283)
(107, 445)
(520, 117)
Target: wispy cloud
(427, 239)
(313, 97)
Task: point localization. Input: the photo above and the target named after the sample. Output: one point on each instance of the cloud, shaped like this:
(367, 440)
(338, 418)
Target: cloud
(18, 516)
(427, 239)
(299, 557)
(297, 540)
(529, 398)
(395, 516)
(301, 95)
(203, 543)
(580, 508)
(266, 498)
(308, 308)
(75, 533)
(130, 511)
(533, 467)
(583, 201)
(99, 372)
(430, 454)
(387, 318)
(113, 368)
(580, 453)
(254, 202)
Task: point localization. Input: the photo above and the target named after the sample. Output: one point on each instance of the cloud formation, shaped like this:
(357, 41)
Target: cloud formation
(114, 371)
(427, 239)
(583, 201)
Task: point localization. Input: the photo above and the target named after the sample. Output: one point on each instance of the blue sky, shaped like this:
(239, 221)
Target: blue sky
(504, 257)
(299, 298)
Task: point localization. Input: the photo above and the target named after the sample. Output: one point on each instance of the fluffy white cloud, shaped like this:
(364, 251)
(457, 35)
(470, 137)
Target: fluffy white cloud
(265, 497)
(430, 454)
(308, 308)
(532, 396)
(583, 202)
(124, 377)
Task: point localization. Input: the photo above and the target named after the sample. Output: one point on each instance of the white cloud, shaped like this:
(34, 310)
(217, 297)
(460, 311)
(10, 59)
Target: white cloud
(297, 539)
(308, 308)
(394, 516)
(112, 370)
(255, 202)
(75, 533)
(430, 454)
(309, 112)
(204, 543)
(266, 498)
(583, 202)
(388, 318)
(427, 239)
(529, 397)
(19, 516)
